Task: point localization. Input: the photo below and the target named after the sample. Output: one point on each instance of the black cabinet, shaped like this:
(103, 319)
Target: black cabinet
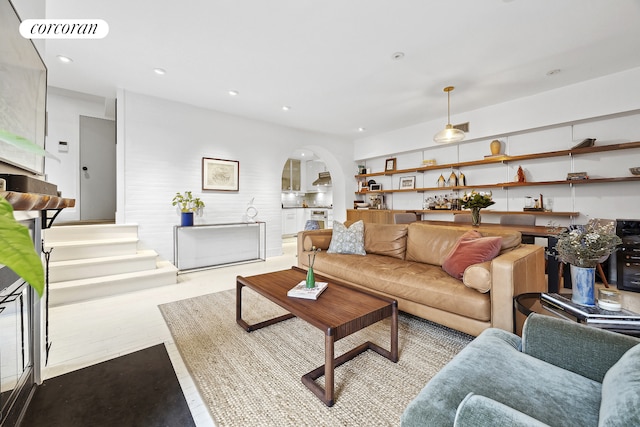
(628, 256)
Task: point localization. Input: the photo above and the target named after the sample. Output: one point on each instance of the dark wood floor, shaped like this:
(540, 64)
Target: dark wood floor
(139, 389)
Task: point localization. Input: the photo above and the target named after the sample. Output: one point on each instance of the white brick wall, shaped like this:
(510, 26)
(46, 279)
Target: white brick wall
(161, 145)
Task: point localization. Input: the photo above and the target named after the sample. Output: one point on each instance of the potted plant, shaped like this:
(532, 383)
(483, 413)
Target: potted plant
(16, 249)
(188, 205)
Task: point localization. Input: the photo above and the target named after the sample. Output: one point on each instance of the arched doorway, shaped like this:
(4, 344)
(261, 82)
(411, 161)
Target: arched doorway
(307, 192)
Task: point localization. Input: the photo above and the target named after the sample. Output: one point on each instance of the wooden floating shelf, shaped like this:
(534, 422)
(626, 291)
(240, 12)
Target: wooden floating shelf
(492, 212)
(512, 184)
(507, 159)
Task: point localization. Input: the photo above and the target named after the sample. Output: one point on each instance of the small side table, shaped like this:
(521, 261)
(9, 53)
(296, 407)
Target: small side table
(525, 304)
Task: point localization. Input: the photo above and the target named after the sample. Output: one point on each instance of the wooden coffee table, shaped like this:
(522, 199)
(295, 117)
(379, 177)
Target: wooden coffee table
(339, 311)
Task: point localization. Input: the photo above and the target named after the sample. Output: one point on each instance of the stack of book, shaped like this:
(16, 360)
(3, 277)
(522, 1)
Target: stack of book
(576, 176)
(623, 321)
(301, 290)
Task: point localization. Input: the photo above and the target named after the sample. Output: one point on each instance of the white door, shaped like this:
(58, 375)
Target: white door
(97, 169)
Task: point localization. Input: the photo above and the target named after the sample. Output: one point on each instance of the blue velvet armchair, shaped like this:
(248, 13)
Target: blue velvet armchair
(559, 374)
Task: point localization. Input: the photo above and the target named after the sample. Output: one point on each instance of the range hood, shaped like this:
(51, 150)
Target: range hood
(324, 178)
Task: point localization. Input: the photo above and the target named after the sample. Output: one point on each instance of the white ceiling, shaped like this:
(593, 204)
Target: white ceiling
(331, 60)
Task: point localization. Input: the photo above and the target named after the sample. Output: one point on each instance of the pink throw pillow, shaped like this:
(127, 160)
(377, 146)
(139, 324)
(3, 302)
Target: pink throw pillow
(469, 250)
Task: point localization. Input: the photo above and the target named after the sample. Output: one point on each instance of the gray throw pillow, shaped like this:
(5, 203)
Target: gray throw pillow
(347, 240)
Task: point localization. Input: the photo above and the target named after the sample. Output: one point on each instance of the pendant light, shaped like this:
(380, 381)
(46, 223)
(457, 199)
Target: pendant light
(449, 133)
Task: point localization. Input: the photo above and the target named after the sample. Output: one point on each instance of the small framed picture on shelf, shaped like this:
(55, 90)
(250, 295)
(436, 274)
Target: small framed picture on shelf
(407, 183)
(390, 165)
(375, 187)
(362, 186)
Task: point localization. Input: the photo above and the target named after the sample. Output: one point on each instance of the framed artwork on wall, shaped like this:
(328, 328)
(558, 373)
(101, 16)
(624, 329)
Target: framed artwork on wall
(390, 164)
(407, 183)
(220, 175)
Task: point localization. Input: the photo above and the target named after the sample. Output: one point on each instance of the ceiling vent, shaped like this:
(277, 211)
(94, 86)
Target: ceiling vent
(324, 178)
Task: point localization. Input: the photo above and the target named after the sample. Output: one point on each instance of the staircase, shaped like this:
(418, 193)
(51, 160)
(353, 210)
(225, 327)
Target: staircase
(94, 261)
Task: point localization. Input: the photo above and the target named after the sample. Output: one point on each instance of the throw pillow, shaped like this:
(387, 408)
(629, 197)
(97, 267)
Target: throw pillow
(470, 250)
(347, 240)
(478, 277)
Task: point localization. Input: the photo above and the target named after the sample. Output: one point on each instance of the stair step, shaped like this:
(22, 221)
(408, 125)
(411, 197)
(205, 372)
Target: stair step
(95, 248)
(73, 291)
(63, 233)
(60, 271)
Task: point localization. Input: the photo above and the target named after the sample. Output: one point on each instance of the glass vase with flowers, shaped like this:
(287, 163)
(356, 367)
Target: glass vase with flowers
(475, 201)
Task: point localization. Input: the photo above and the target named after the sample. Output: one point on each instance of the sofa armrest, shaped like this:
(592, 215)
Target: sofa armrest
(478, 411)
(582, 349)
(318, 238)
(513, 273)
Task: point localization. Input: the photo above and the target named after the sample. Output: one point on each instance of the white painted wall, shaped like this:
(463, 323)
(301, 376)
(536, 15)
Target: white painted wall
(607, 109)
(64, 109)
(160, 149)
(612, 94)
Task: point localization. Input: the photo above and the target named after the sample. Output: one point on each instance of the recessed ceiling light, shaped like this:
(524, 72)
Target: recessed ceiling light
(361, 129)
(233, 93)
(286, 108)
(160, 71)
(64, 59)
(554, 72)
(397, 56)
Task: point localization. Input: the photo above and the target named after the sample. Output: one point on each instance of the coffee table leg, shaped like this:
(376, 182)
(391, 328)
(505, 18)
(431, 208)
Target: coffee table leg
(394, 333)
(247, 327)
(329, 369)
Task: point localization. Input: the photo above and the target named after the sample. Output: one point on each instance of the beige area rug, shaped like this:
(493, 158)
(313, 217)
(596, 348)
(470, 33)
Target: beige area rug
(254, 379)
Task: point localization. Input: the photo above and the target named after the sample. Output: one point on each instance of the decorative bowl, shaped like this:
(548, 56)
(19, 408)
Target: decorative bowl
(635, 171)
(362, 205)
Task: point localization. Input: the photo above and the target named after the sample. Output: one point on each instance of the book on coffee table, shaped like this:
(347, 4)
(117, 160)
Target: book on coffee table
(301, 290)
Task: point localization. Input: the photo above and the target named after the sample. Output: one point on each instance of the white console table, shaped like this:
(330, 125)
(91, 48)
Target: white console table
(217, 245)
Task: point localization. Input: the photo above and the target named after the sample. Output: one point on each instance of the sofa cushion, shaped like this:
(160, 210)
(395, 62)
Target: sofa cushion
(620, 404)
(347, 240)
(478, 277)
(429, 244)
(420, 283)
(492, 366)
(477, 411)
(386, 239)
(470, 249)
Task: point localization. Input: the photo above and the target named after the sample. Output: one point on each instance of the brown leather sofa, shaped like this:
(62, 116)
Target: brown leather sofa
(404, 262)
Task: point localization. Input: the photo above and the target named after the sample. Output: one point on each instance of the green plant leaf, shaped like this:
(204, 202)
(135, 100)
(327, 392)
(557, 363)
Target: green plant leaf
(17, 251)
(24, 144)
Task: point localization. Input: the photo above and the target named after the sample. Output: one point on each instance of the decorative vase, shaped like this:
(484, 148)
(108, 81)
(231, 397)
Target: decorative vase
(495, 147)
(186, 219)
(583, 280)
(475, 217)
(311, 279)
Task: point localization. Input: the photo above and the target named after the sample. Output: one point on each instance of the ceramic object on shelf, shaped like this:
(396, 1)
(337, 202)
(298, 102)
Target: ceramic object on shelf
(495, 147)
(635, 171)
(453, 180)
(462, 180)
